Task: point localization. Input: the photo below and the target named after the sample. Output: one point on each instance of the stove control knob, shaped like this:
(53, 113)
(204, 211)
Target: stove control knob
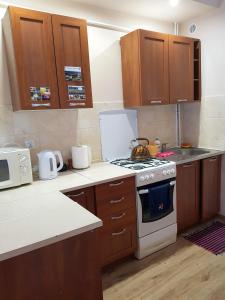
(147, 177)
(172, 171)
(164, 172)
(168, 172)
(142, 178)
(152, 176)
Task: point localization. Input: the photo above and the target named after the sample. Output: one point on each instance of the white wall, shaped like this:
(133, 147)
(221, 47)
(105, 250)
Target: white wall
(62, 129)
(204, 124)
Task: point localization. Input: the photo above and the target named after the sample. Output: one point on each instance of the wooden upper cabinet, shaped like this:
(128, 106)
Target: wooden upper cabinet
(145, 68)
(48, 60)
(31, 59)
(154, 68)
(181, 66)
(159, 68)
(72, 61)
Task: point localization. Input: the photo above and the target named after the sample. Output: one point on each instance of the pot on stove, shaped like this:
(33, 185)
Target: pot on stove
(140, 151)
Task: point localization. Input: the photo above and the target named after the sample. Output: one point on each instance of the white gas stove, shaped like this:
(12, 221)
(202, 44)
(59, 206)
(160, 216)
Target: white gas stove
(149, 170)
(156, 203)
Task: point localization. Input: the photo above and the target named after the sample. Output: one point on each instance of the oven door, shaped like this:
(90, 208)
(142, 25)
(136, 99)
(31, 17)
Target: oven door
(156, 206)
(9, 171)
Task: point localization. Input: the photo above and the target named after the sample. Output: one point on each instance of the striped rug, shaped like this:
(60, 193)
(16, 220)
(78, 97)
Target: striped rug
(211, 238)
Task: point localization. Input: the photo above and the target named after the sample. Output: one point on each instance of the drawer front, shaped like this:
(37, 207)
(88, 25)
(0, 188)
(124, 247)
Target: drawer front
(118, 219)
(118, 243)
(84, 197)
(114, 204)
(115, 188)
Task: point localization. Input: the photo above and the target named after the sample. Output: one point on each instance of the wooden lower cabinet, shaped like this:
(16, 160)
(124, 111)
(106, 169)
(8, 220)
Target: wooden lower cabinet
(210, 187)
(116, 206)
(188, 198)
(85, 197)
(66, 270)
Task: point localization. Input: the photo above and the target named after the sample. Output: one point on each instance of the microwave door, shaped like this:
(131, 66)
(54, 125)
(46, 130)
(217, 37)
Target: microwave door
(9, 173)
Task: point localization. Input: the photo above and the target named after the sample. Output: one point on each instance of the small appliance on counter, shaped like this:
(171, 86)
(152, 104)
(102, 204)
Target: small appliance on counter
(47, 164)
(15, 167)
(140, 151)
(81, 156)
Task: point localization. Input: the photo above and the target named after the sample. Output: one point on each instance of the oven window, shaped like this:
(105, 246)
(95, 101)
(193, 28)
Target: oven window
(156, 201)
(4, 170)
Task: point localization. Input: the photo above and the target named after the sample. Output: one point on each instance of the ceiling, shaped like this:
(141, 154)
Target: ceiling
(157, 9)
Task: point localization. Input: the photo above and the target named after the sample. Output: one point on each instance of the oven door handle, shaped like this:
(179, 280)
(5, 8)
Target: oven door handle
(172, 183)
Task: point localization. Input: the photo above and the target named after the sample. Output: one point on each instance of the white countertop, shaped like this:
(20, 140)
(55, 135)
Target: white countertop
(38, 215)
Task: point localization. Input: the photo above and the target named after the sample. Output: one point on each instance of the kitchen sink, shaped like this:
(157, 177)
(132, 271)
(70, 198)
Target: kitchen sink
(191, 151)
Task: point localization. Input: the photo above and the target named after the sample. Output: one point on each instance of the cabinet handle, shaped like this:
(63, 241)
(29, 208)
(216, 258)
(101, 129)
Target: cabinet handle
(116, 184)
(213, 159)
(118, 217)
(119, 233)
(77, 104)
(77, 195)
(187, 165)
(117, 201)
(156, 101)
(182, 100)
(40, 104)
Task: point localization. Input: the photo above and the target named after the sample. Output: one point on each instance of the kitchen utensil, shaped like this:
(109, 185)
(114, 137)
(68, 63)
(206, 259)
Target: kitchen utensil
(140, 151)
(48, 165)
(81, 156)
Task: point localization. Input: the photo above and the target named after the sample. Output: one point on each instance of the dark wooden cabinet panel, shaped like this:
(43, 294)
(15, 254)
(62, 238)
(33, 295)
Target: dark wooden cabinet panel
(210, 187)
(31, 58)
(61, 271)
(181, 66)
(188, 188)
(117, 243)
(115, 188)
(145, 68)
(154, 68)
(71, 49)
(85, 197)
(116, 206)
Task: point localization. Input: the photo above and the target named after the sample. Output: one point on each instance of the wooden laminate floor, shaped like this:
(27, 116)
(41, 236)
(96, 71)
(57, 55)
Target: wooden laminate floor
(181, 271)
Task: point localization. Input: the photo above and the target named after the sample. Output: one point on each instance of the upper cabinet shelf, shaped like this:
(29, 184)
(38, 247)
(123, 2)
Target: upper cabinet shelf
(48, 60)
(160, 68)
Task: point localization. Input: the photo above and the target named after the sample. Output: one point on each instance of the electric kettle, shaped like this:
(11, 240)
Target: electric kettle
(140, 151)
(48, 164)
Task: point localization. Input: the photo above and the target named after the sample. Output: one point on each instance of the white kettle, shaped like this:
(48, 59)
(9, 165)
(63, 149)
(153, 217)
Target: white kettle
(48, 165)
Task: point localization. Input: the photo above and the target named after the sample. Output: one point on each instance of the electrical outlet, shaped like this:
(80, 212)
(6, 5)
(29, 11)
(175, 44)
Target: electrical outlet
(29, 144)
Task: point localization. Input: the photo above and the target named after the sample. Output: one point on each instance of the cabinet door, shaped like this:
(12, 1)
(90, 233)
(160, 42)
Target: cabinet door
(187, 195)
(181, 64)
(35, 59)
(84, 197)
(72, 60)
(211, 170)
(154, 68)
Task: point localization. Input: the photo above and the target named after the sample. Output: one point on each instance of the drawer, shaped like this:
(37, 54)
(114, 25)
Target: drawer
(115, 188)
(119, 243)
(119, 219)
(114, 204)
(84, 197)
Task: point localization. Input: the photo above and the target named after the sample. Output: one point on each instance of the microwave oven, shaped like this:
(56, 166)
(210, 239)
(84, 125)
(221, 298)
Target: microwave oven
(15, 167)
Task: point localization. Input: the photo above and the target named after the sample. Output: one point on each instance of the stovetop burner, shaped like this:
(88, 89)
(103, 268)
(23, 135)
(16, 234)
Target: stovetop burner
(139, 164)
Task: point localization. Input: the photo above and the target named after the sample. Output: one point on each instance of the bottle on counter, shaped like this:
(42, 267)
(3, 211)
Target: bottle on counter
(158, 144)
